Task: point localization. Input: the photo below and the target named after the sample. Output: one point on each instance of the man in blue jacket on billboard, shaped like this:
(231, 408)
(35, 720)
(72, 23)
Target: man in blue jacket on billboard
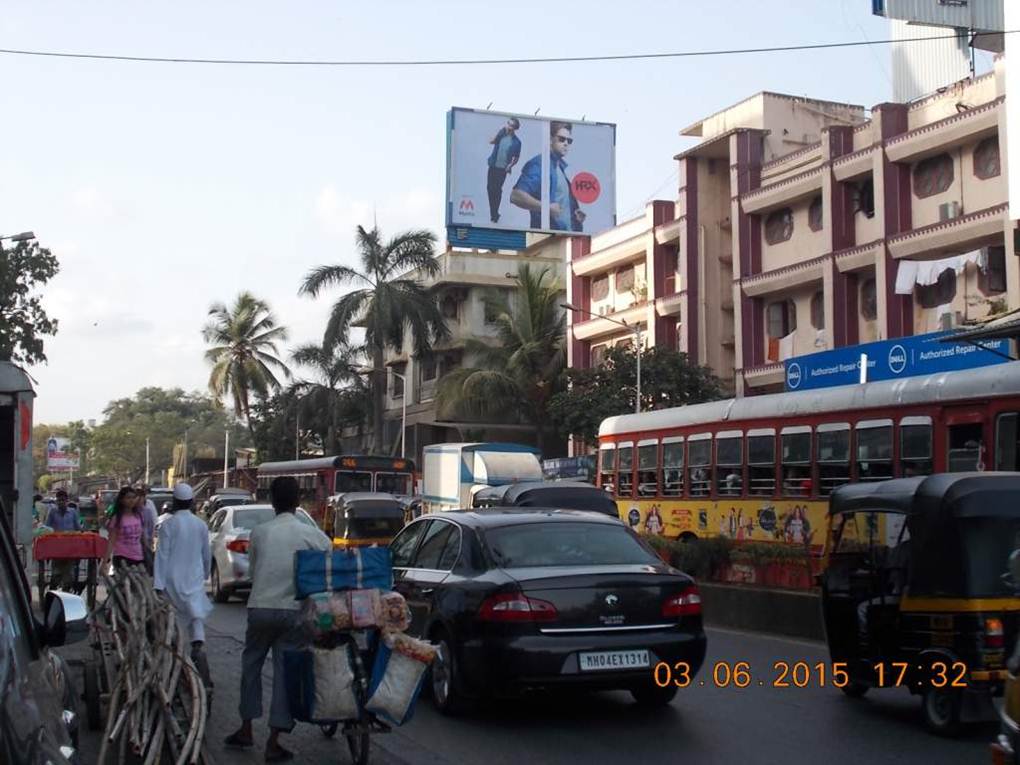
(506, 150)
(564, 214)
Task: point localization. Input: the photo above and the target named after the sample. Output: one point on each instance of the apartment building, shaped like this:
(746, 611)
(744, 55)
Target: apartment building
(805, 225)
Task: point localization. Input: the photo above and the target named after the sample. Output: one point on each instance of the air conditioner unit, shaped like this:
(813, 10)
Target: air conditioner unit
(950, 320)
(604, 309)
(950, 210)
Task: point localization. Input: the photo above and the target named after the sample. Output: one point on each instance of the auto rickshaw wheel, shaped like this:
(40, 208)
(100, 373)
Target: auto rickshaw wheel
(855, 690)
(940, 708)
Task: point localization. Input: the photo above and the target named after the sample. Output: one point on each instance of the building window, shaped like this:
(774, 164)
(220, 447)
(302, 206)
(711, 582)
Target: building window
(933, 176)
(448, 362)
(939, 293)
(779, 226)
(600, 288)
(869, 300)
(815, 215)
(864, 198)
(448, 306)
(398, 382)
(818, 310)
(625, 280)
(428, 367)
(992, 278)
(986, 159)
(598, 355)
(494, 307)
(781, 318)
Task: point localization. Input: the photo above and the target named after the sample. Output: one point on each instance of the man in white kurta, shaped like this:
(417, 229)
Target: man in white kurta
(182, 565)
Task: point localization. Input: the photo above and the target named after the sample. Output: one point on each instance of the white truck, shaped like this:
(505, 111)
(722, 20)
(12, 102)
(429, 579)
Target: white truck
(453, 473)
(16, 479)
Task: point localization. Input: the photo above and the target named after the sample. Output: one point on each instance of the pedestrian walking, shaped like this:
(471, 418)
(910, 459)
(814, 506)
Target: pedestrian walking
(273, 615)
(125, 528)
(63, 517)
(181, 568)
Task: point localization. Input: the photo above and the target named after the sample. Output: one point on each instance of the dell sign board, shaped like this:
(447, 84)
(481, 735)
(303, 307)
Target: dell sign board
(890, 360)
(512, 173)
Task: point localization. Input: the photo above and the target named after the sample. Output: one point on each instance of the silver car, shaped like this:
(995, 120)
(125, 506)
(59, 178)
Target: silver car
(229, 535)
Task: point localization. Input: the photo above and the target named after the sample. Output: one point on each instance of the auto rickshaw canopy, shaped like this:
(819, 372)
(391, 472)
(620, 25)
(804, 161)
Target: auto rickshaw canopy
(565, 495)
(962, 526)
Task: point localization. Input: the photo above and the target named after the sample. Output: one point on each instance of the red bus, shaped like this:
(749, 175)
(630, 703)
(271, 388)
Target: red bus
(762, 467)
(321, 478)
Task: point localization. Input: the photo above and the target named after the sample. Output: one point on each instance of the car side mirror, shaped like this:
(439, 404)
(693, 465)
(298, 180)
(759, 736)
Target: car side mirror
(66, 619)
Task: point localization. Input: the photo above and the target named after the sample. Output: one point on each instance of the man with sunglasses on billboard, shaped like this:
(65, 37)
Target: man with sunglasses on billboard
(506, 150)
(564, 214)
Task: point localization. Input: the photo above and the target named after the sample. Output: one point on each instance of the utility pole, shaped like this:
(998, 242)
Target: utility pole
(146, 460)
(184, 466)
(226, 451)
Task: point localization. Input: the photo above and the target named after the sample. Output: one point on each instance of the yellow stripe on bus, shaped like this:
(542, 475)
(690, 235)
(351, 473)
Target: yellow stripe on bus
(959, 604)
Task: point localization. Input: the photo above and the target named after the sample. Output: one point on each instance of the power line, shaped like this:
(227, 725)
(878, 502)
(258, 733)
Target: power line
(462, 62)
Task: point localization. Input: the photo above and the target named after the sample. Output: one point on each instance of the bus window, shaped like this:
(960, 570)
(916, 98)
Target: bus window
(673, 467)
(648, 469)
(796, 461)
(353, 480)
(393, 483)
(607, 467)
(626, 474)
(833, 456)
(699, 461)
(729, 461)
(915, 446)
(761, 462)
(1007, 442)
(874, 450)
(966, 448)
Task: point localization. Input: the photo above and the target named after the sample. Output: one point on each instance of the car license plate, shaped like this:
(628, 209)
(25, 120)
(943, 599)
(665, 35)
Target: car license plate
(610, 660)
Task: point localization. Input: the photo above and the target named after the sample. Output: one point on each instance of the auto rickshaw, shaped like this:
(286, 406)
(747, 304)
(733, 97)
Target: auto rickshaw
(360, 519)
(913, 595)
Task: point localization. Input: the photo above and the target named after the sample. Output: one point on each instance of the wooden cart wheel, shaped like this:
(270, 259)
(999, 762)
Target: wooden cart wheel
(93, 712)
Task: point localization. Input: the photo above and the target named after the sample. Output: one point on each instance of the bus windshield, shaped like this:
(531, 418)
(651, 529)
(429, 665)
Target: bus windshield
(353, 480)
(393, 483)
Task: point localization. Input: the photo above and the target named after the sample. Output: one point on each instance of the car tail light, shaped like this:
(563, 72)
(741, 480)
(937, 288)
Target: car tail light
(516, 607)
(687, 603)
(993, 633)
(238, 546)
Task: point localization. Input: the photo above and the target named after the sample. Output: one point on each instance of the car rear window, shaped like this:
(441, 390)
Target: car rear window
(565, 544)
(249, 519)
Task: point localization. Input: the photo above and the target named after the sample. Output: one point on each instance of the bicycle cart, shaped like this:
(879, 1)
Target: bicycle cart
(86, 548)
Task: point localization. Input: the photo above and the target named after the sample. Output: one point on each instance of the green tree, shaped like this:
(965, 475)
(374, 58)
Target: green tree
(388, 300)
(667, 379)
(323, 395)
(244, 355)
(23, 322)
(512, 379)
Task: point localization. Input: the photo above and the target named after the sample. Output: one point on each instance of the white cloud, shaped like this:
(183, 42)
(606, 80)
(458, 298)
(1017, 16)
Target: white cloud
(94, 205)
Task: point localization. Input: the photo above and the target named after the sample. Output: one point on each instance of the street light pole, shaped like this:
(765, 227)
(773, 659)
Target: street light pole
(226, 451)
(403, 410)
(146, 460)
(636, 329)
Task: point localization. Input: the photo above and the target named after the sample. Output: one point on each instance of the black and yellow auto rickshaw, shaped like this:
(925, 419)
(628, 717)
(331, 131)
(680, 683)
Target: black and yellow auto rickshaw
(360, 519)
(913, 595)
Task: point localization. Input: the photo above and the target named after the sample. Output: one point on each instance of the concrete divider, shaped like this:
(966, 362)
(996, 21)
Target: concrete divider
(760, 609)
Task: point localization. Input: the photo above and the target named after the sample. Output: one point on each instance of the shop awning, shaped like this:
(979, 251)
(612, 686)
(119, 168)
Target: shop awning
(1005, 327)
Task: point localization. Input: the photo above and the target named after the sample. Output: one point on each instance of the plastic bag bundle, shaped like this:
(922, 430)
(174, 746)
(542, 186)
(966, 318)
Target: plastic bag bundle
(394, 614)
(334, 685)
(397, 677)
(326, 612)
(364, 608)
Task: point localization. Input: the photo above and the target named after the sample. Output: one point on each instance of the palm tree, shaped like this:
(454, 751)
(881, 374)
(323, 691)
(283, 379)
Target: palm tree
(333, 367)
(244, 353)
(513, 378)
(388, 300)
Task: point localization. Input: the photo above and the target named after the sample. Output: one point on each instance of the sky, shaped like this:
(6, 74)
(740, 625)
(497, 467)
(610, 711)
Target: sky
(163, 188)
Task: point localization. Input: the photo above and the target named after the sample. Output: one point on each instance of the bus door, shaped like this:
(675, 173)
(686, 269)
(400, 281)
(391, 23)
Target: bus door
(966, 438)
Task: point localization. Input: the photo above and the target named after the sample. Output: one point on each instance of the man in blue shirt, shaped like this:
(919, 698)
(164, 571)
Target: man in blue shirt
(63, 518)
(564, 214)
(506, 150)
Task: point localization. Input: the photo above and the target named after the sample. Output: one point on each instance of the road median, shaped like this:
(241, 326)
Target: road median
(793, 613)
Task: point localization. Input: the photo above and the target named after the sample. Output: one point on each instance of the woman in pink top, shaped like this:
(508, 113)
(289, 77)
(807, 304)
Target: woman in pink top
(126, 527)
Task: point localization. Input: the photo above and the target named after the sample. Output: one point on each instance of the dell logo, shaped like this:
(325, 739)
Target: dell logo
(793, 376)
(897, 359)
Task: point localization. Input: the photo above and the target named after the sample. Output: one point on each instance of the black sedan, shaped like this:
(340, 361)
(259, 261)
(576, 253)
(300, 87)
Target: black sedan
(519, 598)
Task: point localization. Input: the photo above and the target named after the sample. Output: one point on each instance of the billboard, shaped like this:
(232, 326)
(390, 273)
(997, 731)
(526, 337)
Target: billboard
(60, 455)
(513, 173)
(1012, 59)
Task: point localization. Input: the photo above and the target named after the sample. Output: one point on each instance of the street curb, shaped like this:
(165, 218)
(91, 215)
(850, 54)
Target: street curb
(759, 609)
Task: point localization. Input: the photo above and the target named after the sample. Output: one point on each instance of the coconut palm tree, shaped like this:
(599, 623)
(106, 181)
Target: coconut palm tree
(512, 378)
(333, 366)
(244, 355)
(387, 301)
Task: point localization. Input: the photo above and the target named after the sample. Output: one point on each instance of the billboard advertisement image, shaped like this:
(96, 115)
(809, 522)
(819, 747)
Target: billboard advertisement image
(60, 455)
(515, 173)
